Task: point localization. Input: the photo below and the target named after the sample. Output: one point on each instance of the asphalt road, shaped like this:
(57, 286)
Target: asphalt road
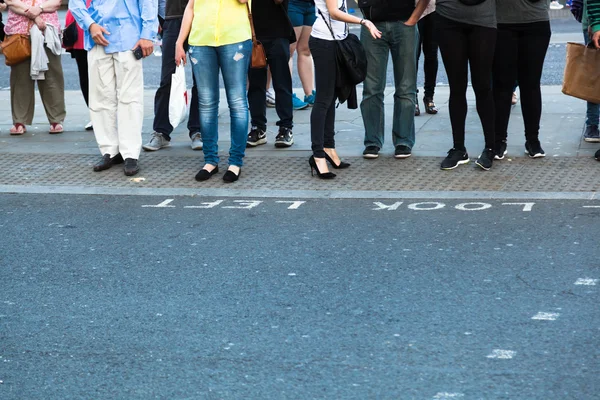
(108, 298)
(553, 69)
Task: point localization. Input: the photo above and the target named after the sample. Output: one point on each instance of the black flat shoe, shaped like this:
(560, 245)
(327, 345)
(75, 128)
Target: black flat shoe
(204, 175)
(108, 162)
(314, 168)
(131, 167)
(231, 177)
(341, 165)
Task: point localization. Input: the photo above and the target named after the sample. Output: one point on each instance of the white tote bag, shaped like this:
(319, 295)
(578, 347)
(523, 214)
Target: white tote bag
(179, 98)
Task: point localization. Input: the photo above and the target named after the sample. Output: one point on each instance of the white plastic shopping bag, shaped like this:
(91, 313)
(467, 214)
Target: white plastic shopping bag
(179, 99)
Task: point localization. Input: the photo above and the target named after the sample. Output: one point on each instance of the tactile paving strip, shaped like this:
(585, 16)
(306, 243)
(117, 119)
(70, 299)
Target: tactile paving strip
(567, 174)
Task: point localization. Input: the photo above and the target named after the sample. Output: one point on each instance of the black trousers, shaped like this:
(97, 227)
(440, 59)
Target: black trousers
(80, 57)
(463, 45)
(429, 45)
(322, 117)
(161, 99)
(520, 54)
(278, 56)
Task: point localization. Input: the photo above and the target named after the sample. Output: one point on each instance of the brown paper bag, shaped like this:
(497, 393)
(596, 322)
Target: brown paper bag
(582, 73)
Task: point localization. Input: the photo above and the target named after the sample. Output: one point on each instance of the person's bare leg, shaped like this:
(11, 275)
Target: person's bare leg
(305, 61)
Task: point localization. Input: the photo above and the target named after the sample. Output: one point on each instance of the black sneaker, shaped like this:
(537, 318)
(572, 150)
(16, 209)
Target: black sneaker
(597, 155)
(371, 152)
(486, 158)
(256, 137)
(500, 151)
(534, 149)
(402, 151)
(285, 137)
(455, 158)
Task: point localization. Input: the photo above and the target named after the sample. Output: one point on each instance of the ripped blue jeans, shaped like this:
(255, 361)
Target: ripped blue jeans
(233, 60)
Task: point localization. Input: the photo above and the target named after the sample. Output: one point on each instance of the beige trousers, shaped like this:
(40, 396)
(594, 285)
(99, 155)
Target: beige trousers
(52, 91)
(116, 101)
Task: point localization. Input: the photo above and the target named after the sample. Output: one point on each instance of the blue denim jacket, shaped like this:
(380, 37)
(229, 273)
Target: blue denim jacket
(127, 21)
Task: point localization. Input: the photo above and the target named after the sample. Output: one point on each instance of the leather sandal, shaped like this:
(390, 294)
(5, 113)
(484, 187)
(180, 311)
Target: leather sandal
(18, 129)
(56, 128)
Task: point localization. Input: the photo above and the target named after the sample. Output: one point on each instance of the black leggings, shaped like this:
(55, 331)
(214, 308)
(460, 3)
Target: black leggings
(322, 117)
(428, 42)
(520, 54)
(80, 57)
(463, 45)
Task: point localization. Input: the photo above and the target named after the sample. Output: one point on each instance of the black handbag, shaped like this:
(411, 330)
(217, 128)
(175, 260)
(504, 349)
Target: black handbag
(70, 35)
(1, 29)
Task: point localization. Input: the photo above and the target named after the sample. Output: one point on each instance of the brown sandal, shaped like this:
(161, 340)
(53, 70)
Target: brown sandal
(18, 129)
(56, 128)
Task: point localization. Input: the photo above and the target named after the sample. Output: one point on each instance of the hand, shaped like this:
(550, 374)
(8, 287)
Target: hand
(411, 22)
(596, 39)
(40, 23)
(376, 33)
(3, 7)
(33, 12)
(146, 45)
(180, 54)
(97, 33)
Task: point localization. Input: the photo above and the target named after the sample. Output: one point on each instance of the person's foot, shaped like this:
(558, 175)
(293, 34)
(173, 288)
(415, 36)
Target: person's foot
(107, 161)
(285, 137)
(206, 172)
(297, 103)
(402, 151)
(417, 109)
(157, 142)
(591, 134)
(89, 126)
(256, 137)
(131, 167)
(371, 152)
(56, 128)
(430, 107)
(310, 99)
(271, 98)
(500, 151)
(597, 155)
(18, 129)
(534, 149)
(486, 159)
(455, 158)
(197, 141)
(515, 98)
(232, 174)
(555, 5)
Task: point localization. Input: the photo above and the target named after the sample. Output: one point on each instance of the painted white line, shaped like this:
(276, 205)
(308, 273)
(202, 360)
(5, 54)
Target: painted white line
(591, 206)
(502, 354)
(164, 204)
(294, 205)
(586, 281)
(473, 206)
(245, 204)
(426, 206)
(545, 316)
(526, 206)
(209, 204)
(381, 206)
(446, 395)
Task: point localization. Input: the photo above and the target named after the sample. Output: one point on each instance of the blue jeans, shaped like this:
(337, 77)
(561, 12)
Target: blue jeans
(592, 116)
(402, 41)
(233, 60)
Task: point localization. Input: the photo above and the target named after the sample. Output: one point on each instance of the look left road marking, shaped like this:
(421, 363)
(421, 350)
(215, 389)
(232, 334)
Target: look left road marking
(502, 354)
(164, 204)
(586, 281)
(446, 395)
(546, 316)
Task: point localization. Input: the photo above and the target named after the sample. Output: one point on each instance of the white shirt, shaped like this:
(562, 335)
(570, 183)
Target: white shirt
(320, 29)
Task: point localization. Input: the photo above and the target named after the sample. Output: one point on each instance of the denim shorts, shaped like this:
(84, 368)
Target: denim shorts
(301, 13)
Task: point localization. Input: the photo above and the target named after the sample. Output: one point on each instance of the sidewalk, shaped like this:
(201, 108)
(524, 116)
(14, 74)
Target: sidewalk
(52, 162)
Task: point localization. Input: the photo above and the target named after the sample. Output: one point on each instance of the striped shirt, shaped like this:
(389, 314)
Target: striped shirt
(593, 13)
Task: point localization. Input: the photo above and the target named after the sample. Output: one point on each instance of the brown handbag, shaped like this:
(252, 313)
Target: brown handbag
(259, 57)
(16, 49)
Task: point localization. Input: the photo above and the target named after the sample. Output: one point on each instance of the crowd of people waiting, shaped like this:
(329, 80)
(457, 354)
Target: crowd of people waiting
(502, 42)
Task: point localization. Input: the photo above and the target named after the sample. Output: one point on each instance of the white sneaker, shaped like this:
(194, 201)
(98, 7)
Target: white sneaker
(197, 141)
(555, 5)
(271, 98)
(89, 126)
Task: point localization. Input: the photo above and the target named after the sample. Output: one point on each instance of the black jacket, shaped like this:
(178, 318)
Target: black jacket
(271, 20)
(387, 10)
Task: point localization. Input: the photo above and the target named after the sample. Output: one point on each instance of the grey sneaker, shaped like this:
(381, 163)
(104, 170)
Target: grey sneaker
(157, 142)
(197, 141)
(284, 138)
(591, 134)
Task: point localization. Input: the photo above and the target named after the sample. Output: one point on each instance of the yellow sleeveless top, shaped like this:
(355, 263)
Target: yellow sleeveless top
(219, 23)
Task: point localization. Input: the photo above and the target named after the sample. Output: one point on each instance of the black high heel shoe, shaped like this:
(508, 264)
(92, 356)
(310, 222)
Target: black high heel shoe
(314, 168)
(341, 165)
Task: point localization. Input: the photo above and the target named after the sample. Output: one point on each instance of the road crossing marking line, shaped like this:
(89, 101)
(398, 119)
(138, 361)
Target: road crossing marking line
(586, 281)
(591, 206)
(546, 316)
(502, 354)
(446, 395)
(164, 204)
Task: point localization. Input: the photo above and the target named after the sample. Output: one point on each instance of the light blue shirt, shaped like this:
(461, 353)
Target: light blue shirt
(162, 5)
(127, 21)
